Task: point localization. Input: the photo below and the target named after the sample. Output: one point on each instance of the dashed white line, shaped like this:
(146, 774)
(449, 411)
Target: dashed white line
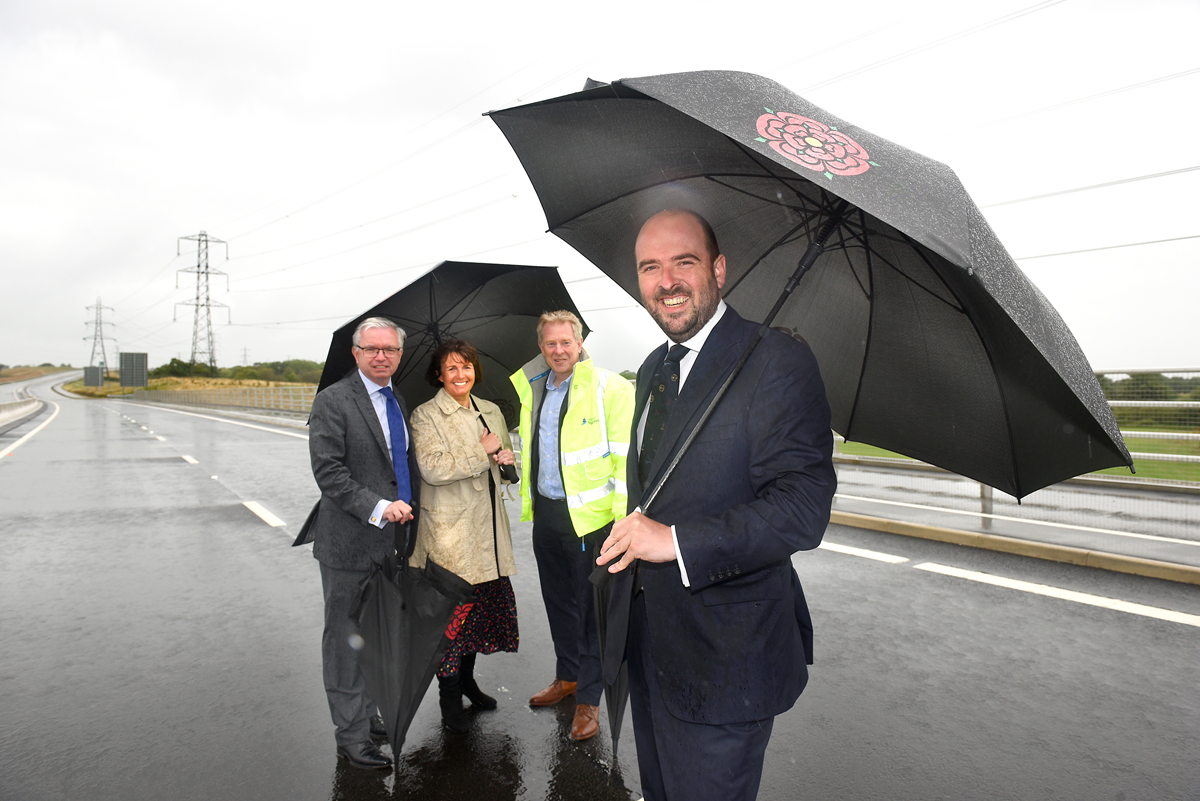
(264, 513)
(189, 459)
(1065, 595)
(161, 438)
(863, 552)
(231, 422)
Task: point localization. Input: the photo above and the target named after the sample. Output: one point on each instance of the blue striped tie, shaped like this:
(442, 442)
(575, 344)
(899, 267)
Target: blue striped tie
(399, 446)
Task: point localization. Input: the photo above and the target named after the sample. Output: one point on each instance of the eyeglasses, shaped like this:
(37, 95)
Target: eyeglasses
(389, 352)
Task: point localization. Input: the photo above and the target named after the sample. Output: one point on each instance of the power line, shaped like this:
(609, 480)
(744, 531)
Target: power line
(1109, 247)
(374, 242)
(420, 205)
(937, 43)
(1076, 101)
(1093, 186)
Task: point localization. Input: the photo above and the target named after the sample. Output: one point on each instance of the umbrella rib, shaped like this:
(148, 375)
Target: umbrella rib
(806, 223)
(983, 341)
(862, 238)
(869, 292)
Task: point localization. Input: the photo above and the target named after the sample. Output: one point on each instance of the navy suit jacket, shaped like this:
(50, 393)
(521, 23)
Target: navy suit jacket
(353, 468)
(755, 486)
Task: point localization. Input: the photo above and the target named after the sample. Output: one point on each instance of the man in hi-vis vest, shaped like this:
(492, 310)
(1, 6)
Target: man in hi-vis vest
(575, 424)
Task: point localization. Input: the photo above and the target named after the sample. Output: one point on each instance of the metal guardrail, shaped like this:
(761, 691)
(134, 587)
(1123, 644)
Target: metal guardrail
(282, 399)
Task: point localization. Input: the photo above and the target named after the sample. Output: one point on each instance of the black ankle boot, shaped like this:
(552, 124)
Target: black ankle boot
(466, 680)
(454, 717)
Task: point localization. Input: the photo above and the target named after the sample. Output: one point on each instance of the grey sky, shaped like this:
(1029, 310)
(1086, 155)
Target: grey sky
(340, 151)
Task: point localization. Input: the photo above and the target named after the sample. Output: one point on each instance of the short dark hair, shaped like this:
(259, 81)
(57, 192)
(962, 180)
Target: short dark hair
(468, 352)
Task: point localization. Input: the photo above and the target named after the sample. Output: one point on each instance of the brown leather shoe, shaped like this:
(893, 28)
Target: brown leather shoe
(586, 723)
(557, 691)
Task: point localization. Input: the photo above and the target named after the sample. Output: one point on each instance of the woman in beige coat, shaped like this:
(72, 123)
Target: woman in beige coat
(460, 442)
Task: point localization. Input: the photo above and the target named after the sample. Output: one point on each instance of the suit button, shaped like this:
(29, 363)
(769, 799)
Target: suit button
(711, 577)
(737, 571)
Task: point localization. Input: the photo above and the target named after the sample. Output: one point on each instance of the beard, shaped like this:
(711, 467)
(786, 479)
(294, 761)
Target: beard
(685, 325)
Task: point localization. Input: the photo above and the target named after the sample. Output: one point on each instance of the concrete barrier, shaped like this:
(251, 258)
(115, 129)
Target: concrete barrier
(10, 412)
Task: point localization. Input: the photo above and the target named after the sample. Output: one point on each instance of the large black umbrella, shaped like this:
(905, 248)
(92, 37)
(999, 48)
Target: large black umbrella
(403, 615)
(930, 339)
(495, 307)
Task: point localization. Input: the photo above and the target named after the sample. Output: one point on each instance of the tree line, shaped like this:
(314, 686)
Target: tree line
(301, 371)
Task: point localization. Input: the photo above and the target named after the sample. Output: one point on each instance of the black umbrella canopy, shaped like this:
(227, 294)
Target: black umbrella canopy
(495, 307)
(931, 341)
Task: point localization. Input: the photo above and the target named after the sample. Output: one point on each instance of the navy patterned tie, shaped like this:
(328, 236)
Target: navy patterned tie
(399, 446)
(662, 395)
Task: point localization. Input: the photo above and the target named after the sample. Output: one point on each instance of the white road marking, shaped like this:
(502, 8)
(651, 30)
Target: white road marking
(863, 552)
(261, 511)
(189, 459)
(1065, 595)
(231, 422)
(1153, 537)
(28, 436)
(161, 439)
(145, 429)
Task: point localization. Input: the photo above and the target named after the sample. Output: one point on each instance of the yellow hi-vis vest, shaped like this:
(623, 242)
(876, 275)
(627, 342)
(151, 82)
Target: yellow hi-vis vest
(593, 441)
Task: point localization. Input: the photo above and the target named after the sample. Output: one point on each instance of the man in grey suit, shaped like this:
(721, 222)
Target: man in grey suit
(362, 460)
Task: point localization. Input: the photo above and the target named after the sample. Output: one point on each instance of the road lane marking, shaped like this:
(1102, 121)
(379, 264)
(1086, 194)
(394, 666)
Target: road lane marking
(1065, 595)
(231, 422)
(161, 439)
(1031, 522)
(264, 513)
(863, 552)
(29, 436)
(189, 459)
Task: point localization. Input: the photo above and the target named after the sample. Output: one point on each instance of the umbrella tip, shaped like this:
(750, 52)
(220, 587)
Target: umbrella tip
(592, 83)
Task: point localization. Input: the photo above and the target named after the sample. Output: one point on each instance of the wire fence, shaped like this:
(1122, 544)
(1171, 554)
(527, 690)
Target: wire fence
(279, 399)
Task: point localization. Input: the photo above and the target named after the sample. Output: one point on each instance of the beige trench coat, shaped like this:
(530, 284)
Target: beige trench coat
(455, 526)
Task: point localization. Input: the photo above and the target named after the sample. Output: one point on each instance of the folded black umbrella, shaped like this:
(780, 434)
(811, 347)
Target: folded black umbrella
(403, 613)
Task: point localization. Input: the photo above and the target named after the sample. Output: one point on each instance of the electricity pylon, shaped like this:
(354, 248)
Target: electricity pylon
(97, 336)
(203, 347)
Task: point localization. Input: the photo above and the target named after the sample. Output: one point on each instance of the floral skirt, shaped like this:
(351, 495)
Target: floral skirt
(490, 624)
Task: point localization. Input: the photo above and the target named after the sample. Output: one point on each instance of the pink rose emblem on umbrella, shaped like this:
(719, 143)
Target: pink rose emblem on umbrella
(812, 144)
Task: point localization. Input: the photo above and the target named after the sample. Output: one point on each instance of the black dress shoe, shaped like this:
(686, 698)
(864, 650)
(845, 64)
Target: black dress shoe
(364, 755)
(377, 727)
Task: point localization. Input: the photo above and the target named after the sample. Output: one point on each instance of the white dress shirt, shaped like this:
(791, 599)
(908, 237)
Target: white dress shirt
(694, 345)
(379, 402)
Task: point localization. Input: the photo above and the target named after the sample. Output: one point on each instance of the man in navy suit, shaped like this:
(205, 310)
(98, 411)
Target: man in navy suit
(363, 461)
(710, 613)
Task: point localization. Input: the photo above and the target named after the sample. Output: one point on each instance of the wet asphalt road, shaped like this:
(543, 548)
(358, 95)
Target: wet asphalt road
(159, 640)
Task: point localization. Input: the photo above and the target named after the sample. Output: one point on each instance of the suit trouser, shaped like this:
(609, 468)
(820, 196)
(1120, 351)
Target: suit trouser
(349, 705)
(680, 760)
(564, 563)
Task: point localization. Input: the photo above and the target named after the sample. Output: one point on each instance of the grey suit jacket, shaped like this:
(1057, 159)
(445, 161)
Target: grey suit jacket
(352, 466)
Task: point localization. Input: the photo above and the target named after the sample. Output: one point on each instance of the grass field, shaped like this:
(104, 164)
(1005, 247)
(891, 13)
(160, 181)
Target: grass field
(9, 374)
(1146, 468)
